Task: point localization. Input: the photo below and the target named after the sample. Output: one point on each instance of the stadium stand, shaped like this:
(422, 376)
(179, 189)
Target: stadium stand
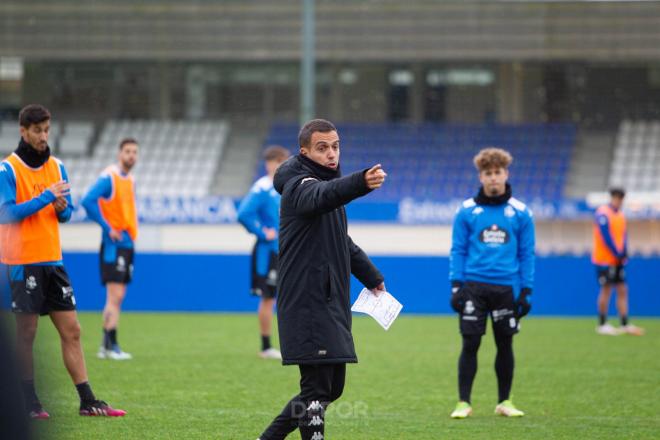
(76, 138)
(176, 158)
(435, 161)
(637, 157)
(591, 162)
(9, 136)
(240, 157)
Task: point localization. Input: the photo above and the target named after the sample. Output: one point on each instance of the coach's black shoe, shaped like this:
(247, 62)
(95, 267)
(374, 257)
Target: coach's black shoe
(99, 408)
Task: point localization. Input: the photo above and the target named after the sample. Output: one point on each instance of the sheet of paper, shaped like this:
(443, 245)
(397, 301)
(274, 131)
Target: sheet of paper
(384, 308)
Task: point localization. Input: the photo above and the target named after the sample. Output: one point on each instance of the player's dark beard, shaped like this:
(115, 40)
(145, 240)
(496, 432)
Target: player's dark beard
(494, 191)
(127, 165)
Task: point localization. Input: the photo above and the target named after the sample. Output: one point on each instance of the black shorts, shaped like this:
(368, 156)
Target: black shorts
(116, 264)
(40, 289)
(264, 272)
(611, 274)
(481, 300)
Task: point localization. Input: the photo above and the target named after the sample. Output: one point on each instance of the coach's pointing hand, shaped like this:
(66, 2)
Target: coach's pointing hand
(375, 177)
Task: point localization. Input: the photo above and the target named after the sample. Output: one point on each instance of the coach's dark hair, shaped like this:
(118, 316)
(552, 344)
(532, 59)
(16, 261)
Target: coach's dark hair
(127, 141)
(33, 114)
(618, 192)
(311, 127)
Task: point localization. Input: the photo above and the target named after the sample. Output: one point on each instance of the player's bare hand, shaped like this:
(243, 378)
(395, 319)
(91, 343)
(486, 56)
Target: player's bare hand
(60, 204)
(270, 233)
(375, 177)
(60, 189)
(115, 235)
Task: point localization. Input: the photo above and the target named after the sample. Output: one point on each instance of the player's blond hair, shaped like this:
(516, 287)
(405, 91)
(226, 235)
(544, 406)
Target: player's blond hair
(492, 158)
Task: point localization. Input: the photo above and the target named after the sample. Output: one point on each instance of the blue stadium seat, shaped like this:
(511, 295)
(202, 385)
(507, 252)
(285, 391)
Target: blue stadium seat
(434, 161)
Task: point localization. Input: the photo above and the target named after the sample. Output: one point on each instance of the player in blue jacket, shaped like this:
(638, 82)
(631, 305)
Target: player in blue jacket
(492, 254)
(259, 213)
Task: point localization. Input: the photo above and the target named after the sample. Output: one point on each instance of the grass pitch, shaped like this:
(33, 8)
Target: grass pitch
(197, 376)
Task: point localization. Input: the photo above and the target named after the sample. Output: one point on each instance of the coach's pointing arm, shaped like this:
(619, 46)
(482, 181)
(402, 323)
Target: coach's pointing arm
(311, 196)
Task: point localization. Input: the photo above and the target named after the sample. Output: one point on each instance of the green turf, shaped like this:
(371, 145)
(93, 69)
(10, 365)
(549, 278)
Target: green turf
(198, 376)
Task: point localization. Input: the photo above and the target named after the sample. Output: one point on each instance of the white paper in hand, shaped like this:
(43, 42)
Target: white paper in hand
(384, 308)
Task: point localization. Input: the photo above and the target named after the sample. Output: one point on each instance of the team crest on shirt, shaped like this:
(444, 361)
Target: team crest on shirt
(31, 282)
(509, 212)
(478, 210)
(494, 236)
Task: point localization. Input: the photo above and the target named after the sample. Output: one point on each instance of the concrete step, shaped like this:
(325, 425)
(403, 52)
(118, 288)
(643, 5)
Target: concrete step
(590, 164)
(238, 164)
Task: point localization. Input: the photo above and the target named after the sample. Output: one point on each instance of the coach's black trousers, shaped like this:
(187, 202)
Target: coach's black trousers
(319, 386)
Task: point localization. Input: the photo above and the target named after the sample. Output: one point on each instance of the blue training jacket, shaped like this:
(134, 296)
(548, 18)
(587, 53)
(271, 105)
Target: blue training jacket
(261, 208)
(493, 244)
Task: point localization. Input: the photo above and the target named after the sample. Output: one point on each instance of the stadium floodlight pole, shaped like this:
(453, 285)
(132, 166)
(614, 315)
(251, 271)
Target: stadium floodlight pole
(307, 62)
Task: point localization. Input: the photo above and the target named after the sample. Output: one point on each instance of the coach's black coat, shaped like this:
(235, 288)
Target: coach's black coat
(316, 259)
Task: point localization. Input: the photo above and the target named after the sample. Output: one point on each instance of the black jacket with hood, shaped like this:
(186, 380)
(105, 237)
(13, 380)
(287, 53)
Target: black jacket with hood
(316, 259)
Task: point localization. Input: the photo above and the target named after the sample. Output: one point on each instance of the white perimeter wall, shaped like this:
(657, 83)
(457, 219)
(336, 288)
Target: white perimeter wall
(552, 237)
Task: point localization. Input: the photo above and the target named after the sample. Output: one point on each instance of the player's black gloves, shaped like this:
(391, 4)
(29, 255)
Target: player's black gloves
(523, 305)
(457, 302)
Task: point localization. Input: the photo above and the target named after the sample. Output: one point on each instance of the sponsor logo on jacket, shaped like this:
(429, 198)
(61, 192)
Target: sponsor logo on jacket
(494, 236)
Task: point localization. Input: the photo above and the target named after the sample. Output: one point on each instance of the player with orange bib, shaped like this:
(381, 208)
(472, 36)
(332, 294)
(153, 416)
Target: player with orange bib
(110, 202)
(34, 199)
(610, 255)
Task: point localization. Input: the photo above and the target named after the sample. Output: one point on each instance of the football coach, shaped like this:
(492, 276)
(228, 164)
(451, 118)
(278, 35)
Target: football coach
(317, 257)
